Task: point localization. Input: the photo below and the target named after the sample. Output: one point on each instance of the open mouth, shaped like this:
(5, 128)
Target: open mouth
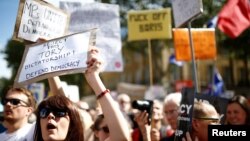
(51, 126)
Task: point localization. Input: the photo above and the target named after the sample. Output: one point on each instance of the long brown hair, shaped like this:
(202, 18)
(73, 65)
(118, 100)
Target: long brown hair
(243, 102)
(75, 131)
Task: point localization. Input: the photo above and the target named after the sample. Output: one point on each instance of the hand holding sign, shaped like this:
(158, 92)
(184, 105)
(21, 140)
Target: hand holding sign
(60, 56)
(94, 62)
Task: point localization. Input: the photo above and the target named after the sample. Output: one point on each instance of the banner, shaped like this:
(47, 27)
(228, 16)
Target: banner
(203, 41)
(56, 57)
(106, 18)
(149, 24)
(37, 19)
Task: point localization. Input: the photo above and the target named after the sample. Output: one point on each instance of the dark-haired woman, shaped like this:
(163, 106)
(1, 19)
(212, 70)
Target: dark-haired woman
(238, 111)
(58, 119)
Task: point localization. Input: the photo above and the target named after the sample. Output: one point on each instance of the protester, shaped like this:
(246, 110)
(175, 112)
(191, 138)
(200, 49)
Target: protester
(86, 118)
(238, 111)
(153, 131)
(171, 110)
(58, 119)
(142, 133)
(124, 102)
(19, 104)
(100, 128)
(204, 114)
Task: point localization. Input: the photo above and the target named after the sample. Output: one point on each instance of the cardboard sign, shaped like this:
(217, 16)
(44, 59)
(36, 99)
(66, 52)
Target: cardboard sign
(185, 113)
(184, 10)
(203, 41)
(106, 18)
(149, 24)
(37, 19)
(56, 57)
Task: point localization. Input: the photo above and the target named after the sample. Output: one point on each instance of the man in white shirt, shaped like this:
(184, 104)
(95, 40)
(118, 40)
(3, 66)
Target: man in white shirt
(19, 104)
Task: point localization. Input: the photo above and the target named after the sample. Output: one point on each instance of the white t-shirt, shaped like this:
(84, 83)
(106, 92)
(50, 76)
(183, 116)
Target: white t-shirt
(25, 133)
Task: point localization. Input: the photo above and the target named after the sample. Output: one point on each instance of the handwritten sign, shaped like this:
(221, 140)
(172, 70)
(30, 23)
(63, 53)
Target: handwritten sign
(36, 19)
(106, 18)
(184, 10)
(149, 24)
(56, 57)
(203, 41)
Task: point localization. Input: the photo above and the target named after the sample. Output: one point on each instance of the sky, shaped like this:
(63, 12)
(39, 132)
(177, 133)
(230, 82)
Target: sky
(8, 12)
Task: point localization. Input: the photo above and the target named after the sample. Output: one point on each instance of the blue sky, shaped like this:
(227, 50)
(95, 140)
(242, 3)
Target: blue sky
(8, 12)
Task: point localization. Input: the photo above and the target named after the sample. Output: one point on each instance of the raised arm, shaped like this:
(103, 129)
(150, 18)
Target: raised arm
(117, 124)
(55, 85)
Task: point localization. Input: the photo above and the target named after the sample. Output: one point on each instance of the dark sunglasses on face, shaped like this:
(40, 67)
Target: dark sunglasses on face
(104, 128)
(44, 112)
(13, 101)
(215, 120)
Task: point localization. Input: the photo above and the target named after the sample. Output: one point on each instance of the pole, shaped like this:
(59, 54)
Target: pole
(150, 62)
(193, 59)
(213, 74)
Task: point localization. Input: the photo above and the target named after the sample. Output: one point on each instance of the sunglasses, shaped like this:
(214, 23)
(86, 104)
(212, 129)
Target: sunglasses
(44, 112)
(14, 101)
(209, 119)
(104, 128)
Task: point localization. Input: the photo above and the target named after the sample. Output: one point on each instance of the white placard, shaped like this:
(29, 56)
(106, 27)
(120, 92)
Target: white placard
(106, 18)
(63, 55)
(41, 21)
(184, 10)
(57, 2)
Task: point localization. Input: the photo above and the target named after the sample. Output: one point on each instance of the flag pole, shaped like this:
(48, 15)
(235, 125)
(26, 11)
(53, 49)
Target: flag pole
(150, 62)
(193, 58)
(213, 80)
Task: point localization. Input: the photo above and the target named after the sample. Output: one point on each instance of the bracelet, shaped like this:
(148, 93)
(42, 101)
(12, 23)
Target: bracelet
(102, 94)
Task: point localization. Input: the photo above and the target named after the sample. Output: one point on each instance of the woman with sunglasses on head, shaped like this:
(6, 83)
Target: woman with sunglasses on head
(238, 111)
(52, 116)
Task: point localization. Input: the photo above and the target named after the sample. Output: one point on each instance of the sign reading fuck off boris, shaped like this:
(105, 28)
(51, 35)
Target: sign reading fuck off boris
(56, 57)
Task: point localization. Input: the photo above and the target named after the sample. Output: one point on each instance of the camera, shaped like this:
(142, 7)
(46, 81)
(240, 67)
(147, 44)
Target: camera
(144, 105)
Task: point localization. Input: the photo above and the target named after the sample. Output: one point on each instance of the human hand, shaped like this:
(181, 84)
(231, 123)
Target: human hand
(141, 119)
(94, 63)
(155, 134)
(188, 137)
